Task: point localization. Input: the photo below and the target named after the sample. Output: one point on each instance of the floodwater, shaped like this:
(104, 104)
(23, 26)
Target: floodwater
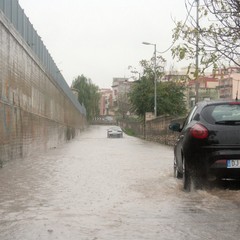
(98, 188)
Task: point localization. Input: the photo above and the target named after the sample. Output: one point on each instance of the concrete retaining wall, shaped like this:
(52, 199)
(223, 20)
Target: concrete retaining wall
(35, 113)
(156, 130)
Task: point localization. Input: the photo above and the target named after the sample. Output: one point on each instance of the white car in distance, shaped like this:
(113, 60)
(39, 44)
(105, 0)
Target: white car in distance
(114, 132)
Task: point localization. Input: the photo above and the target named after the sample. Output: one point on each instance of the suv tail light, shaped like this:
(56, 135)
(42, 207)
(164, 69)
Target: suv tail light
(199, 131)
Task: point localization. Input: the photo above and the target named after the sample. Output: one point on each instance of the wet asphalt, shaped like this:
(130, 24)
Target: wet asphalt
(99, 188)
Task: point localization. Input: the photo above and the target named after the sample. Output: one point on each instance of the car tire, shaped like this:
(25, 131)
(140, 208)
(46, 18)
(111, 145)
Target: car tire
(187, 178)
(176, 172)
(191, 178)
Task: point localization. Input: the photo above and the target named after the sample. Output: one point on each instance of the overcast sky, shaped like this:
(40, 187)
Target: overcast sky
(101, 38)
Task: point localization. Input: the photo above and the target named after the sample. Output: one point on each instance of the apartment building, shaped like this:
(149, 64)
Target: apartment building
(106, 102)
(228, 86)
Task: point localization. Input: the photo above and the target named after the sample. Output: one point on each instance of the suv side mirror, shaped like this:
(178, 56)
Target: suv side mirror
(176, 127)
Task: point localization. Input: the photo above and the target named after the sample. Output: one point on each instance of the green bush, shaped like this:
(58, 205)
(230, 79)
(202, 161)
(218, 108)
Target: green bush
(129, 132)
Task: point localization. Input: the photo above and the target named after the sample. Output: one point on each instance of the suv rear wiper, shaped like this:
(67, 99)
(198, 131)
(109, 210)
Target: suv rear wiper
(229, 122)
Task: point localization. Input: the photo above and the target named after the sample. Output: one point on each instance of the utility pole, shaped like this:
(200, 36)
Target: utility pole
(155, 81)
(155, 76)
(197, 53)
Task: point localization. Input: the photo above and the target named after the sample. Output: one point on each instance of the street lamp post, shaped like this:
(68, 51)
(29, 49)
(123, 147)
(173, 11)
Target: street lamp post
(155, 76)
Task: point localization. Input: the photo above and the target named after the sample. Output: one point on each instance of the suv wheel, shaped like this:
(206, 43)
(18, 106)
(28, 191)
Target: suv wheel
(192, 178)
(187, 178)
(176, 172)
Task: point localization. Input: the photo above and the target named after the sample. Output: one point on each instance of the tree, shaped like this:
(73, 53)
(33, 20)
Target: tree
(141, 97)
(123, 104)
(171, 98)
(170, 95)
(226, 30)
(214, 35)
(88, 95)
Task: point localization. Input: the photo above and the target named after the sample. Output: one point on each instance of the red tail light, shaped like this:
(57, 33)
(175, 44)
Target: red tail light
(199, 131)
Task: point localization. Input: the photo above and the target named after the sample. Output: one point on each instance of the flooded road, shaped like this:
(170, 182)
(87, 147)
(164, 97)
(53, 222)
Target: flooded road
(99, 188)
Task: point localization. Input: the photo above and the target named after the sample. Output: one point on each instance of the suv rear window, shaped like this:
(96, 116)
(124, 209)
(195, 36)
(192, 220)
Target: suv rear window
(227, 113)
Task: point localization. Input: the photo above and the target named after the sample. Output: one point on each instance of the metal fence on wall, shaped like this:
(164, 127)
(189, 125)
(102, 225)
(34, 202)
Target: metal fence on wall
(20, 21)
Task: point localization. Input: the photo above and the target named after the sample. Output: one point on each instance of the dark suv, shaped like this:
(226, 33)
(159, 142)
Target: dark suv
(208, 143)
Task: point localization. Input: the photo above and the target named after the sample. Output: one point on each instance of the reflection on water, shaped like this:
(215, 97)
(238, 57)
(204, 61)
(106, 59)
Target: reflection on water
(100, 188)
